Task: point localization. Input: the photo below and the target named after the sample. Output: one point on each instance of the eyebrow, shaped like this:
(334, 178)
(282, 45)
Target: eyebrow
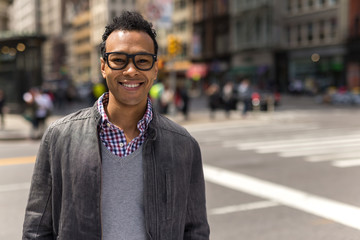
(132, 53)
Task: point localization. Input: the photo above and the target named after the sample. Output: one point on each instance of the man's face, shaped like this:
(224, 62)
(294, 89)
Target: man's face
(129, 86)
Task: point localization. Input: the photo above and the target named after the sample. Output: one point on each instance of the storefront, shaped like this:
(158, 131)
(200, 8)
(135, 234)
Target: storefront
(314, 70)
(20, 66)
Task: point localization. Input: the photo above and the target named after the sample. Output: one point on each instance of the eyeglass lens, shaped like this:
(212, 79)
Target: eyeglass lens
(120, 61)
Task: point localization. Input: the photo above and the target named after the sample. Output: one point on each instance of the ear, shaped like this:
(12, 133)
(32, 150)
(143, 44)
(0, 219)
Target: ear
(156, 69)
(103, 65)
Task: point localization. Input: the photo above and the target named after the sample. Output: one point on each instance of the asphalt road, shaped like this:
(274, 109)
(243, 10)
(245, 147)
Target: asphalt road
(291, 174)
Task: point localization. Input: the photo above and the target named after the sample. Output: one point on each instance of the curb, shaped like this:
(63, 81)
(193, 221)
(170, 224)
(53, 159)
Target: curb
(13, 134)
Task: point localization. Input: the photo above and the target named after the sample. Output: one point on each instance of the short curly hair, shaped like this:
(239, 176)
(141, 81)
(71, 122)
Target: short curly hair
(129, 21)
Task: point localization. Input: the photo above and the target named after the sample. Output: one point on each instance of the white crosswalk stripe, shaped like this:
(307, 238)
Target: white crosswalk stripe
(333, 156)
(340, 147)
(347, 163)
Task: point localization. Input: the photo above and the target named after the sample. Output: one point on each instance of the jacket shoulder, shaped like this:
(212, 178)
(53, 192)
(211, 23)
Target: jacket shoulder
(166, 124)
(80, 115)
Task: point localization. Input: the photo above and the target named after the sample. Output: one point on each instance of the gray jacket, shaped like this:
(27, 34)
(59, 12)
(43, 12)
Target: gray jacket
(65, 195)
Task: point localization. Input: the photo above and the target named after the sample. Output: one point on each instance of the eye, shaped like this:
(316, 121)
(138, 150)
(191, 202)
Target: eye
(118, 60)
(143, 59)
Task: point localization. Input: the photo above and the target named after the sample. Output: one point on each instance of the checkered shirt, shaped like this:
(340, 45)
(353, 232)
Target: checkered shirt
(114, 138)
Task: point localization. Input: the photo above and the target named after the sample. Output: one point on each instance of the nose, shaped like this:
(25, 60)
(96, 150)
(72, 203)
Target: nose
(130, 69)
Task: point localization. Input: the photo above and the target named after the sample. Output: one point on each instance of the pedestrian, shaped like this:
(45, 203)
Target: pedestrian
(44, 107)
(39, 107)
(119, 170)
(2, 108)
(182, 100)
(244, 95)
(166, 98)
(214, 98)
(228, 98)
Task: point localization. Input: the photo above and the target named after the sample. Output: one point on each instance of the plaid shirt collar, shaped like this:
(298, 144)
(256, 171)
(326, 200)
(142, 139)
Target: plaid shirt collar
(113, 137)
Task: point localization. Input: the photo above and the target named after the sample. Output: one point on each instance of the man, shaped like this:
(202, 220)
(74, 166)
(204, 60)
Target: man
(119, 170)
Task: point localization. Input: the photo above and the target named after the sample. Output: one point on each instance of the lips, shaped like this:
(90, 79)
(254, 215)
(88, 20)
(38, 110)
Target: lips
(131, 85)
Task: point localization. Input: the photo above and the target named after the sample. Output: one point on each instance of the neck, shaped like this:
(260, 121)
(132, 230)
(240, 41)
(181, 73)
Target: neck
(125, 117)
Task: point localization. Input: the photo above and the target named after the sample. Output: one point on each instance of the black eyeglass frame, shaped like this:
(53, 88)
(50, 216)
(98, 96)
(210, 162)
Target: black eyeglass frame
(132, 56)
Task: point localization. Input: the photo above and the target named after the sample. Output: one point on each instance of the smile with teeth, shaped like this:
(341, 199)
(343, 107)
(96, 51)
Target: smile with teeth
(130, 85)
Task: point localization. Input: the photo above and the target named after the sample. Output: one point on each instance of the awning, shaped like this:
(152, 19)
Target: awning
(197, 71)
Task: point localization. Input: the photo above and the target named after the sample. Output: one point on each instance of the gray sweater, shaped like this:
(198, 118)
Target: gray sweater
(122, 209)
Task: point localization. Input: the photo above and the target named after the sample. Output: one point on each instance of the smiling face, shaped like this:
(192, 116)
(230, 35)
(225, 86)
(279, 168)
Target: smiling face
(129, 86)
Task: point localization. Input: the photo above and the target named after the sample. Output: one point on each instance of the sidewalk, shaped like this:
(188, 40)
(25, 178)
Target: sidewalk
(17, 128)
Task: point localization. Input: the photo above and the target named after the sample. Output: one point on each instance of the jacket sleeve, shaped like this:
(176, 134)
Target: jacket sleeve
(38, 215)
(196, 225)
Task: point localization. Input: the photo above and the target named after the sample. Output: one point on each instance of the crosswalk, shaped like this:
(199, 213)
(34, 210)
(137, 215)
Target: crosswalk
(337, 146)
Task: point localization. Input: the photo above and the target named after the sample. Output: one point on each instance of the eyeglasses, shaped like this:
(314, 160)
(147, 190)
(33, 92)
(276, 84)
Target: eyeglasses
(119, 60)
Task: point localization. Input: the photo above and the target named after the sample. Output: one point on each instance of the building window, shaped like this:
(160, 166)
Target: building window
(206, 12)
(179, 4)
(321, 3)
(248, 33)
(221, 43)
(198, 11)
(180, 26)
(355, 31)
(322, 30)
(310, 32)
(333, 2)
(184, 49)
(238, 36)
(220, 7)
(112, 14)
(269, 25)
(299, 5)
(288, 35)
(333, 26)
(310, 3)
(238, 5)
(299, 34)
(257, 28)
(288, 5)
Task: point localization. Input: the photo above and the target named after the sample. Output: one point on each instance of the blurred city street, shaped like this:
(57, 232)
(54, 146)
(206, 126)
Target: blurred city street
(270, 89)
(287, 174)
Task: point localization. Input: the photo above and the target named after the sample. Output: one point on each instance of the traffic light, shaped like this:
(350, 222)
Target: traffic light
(174, 45)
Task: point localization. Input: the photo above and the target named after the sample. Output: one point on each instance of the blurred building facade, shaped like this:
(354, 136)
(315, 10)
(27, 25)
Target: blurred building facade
(353, 47)
(80, 47)
(178, 35)
(4, 18)
(315, 34)
(273, 42)
(211, 38)
(24, 16)
(256, 40)
(20, 45)
(53, 26)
